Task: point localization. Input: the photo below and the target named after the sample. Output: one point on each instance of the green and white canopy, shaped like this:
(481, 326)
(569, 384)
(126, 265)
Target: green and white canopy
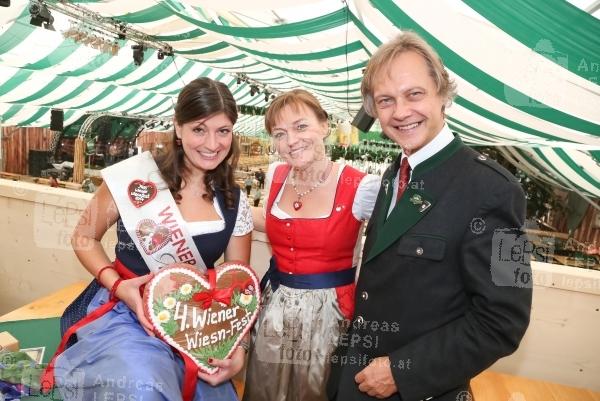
(527, 71)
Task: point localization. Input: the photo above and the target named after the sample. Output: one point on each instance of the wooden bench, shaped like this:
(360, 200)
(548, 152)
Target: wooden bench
(71, 185)
(61, 184)
(493, 386)
(52, 305)
(487, 386)
(253, 161)
(543, 233)
(10, 176)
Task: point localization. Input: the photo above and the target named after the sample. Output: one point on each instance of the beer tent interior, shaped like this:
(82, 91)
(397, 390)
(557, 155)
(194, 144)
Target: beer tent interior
(527, 72)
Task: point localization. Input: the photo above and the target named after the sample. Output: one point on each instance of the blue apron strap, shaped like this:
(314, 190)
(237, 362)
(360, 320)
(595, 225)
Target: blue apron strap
(307, 281)
(270, 276)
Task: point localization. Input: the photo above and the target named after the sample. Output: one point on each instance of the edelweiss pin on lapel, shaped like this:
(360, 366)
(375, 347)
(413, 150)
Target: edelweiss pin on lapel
(416, 199)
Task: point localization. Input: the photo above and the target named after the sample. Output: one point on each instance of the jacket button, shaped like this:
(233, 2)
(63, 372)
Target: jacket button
(419, 251)
(364, 295)
(360, 320)
(482, 157)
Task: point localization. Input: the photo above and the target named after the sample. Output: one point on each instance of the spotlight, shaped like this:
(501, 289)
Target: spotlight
(161, 55)
(69, 33)
(78, 36)
(272, 97)
(97, 42)
(267, 94)
(114, 49)
(138, 54)
(239, 80)
(253, 90)
(40, 15)
(4, 3)
(87, 40)
(122, 32)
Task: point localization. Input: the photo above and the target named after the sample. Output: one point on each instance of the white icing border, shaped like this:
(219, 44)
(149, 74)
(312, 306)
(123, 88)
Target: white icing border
(191, 273)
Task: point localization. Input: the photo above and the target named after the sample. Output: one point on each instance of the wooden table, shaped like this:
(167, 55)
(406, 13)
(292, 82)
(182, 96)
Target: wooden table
(10, 176)
(488, 386)
(493, 386)
(52, 305)
(543, 233)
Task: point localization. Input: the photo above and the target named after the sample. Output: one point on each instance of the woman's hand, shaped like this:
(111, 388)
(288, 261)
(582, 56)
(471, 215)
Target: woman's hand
(227, 368)
(129, 292)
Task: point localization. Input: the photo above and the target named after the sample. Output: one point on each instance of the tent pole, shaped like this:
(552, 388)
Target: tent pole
(1, 138)
(592, 8)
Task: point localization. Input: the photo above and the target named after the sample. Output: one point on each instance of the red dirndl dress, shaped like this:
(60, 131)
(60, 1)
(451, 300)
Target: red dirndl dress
(299, 328)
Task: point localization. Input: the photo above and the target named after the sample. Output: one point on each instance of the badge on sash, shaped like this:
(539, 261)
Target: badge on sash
(150, 214)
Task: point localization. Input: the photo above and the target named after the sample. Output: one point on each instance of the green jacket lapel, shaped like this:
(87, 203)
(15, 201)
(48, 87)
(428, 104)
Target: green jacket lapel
(413, 206)
(388, 192)
(380, 208)
(437, 159)
(409, 210)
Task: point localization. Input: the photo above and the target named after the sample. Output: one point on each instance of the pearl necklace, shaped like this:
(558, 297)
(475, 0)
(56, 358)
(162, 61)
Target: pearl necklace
(298, 203)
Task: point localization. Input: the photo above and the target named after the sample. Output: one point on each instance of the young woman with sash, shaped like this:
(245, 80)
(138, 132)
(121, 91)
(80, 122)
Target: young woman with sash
(184, 208)
(313, 215)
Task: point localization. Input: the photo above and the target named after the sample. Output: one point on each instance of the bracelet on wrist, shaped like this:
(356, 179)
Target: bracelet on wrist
(113, 290)
(245, 345)
(102, 270)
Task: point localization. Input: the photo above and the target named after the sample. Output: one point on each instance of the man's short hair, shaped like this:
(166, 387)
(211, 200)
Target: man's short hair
(405, 42)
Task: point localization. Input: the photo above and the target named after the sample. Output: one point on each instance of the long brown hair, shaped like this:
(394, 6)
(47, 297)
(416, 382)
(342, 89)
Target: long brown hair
(201, 99)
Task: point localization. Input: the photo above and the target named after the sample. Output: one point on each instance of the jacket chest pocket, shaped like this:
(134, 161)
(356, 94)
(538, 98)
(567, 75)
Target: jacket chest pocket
(422, 247)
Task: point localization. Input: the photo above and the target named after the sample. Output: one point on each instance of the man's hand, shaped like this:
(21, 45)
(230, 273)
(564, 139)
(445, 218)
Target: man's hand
(376, 379)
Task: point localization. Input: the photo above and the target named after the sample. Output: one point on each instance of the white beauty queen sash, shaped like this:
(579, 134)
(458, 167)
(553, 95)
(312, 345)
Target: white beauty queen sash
(150, 214)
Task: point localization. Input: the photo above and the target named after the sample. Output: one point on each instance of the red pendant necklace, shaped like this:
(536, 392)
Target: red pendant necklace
(298, 203)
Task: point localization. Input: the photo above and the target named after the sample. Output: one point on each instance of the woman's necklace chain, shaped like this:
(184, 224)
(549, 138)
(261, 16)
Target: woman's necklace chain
(298, 203)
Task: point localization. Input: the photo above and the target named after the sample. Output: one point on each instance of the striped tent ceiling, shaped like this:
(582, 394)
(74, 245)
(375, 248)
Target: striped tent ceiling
(527, 72)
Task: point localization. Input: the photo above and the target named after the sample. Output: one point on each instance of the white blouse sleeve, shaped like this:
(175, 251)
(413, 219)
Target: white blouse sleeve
(243, 222)
(268, 180)
(365, 197)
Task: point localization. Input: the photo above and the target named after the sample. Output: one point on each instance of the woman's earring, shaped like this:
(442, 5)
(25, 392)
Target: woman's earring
(178, 141)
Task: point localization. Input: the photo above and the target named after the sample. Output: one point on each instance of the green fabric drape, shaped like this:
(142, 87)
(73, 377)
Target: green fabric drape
(559, 31)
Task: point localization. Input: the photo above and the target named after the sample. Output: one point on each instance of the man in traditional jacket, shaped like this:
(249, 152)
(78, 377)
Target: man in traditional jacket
(444, 288)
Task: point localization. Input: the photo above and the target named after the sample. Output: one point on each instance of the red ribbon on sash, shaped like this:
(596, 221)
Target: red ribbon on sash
(190, 377)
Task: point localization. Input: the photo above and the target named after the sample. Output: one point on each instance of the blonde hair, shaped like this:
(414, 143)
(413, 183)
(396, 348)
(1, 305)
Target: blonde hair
(405, 42)
(295, 98)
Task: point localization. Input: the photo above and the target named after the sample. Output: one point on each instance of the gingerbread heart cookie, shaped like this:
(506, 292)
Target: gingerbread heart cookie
(141, 192)
(203, 316)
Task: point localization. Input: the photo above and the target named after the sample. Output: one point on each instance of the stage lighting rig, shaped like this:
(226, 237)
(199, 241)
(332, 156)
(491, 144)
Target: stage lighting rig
(40, 15)
(138, 54)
